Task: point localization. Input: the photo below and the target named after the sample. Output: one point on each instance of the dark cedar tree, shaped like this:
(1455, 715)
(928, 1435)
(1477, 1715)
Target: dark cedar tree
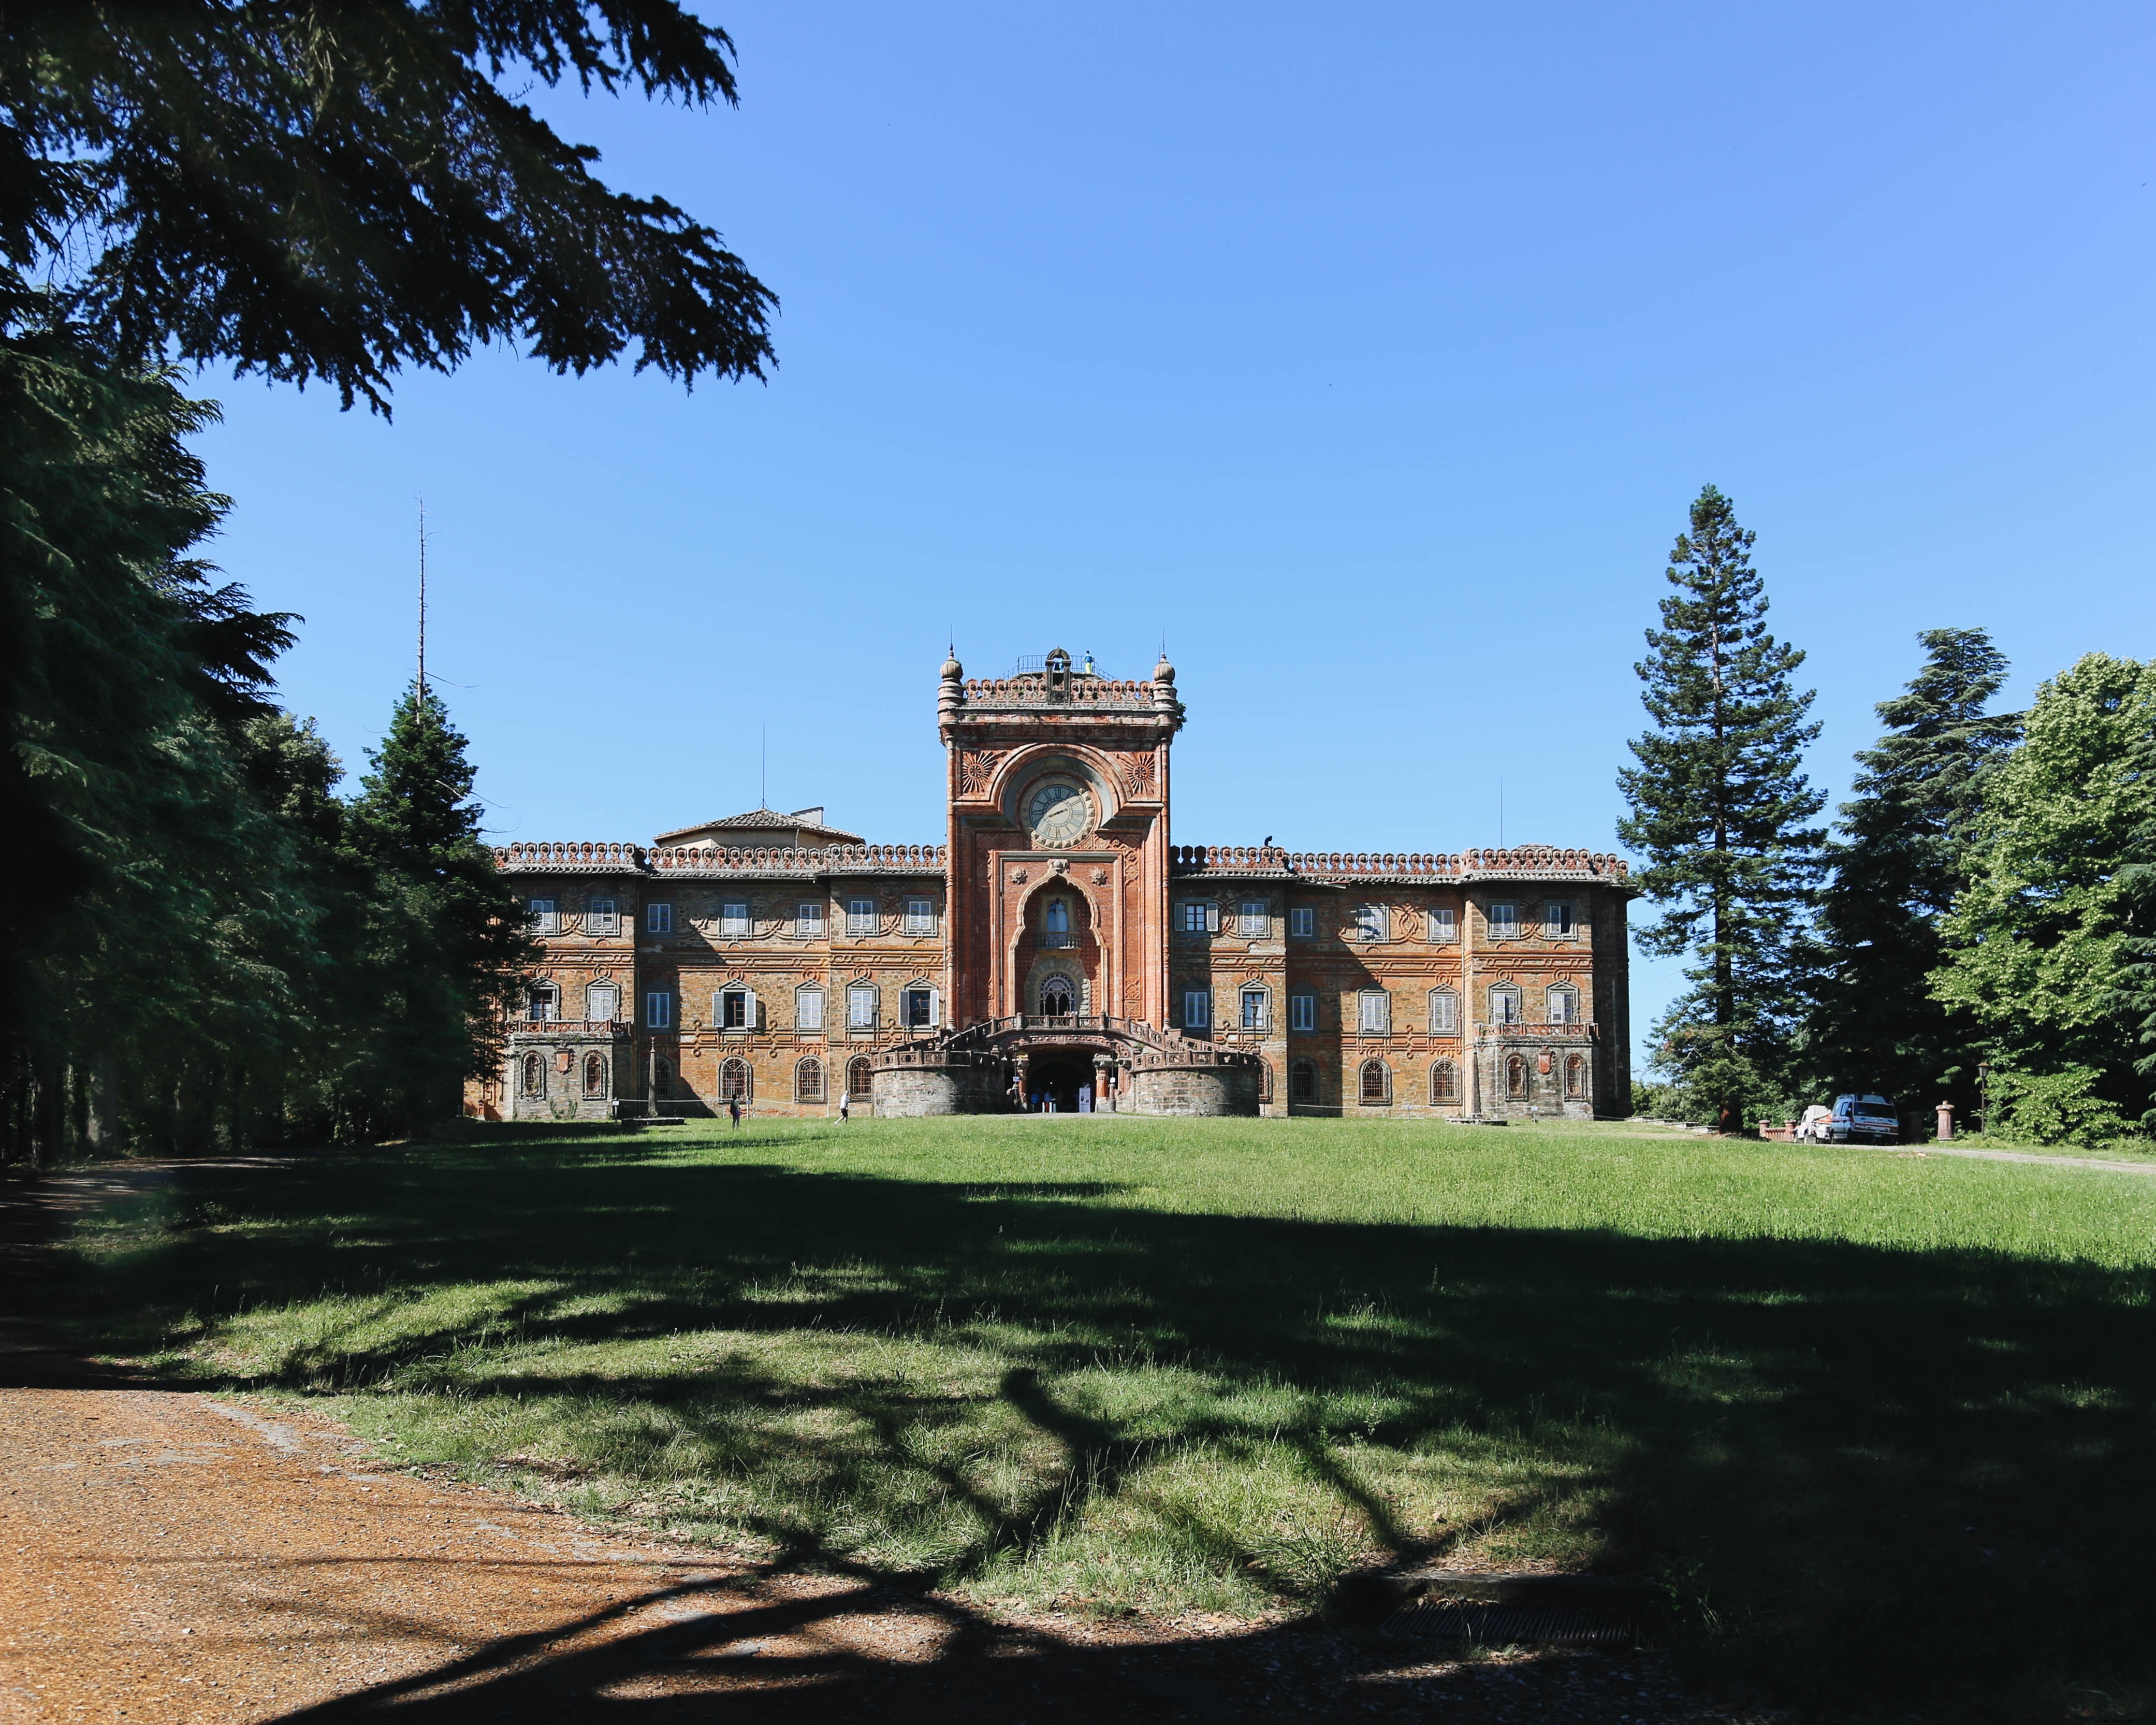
(1904, 854)
(312, 191)
(1719, 804)
(335, 190)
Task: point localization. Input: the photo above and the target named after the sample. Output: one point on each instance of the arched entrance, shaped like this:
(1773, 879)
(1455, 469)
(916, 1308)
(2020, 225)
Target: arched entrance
(1057, 1072)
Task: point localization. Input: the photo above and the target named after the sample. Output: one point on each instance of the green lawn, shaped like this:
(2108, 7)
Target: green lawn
(1875, 1426)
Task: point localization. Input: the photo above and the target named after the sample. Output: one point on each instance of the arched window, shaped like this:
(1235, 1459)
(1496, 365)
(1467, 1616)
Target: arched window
(535, 1075)
(1575, 1077)
(662, 1078)
(1303, 1081)
(1504, 1004)
(858, 1086)
(595, 1074)
(1059, 996)
(1443, 1082)
(734, 1084)
(1516, 1078)
(808, 1081)
(1264, 1082)
(1377, 1084)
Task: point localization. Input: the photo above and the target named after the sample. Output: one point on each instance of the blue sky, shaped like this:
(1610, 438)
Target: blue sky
(1371, 354)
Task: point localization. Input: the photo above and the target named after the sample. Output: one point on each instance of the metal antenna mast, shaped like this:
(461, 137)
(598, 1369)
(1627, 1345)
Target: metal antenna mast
(422, 604)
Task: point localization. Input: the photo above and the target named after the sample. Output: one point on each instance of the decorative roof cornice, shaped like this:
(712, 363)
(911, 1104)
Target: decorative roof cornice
(1522, 863)
(713, 862)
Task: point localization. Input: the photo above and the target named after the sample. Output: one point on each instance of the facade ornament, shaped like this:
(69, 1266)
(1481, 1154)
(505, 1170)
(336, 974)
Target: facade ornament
(976, 770)
(1100, 877)
(1061, 865)
(1018, 877)
(1137, 775)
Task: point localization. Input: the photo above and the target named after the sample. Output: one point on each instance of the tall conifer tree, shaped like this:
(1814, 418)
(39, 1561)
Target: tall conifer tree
(1905, 854)
(1719, 806)
(447, 940)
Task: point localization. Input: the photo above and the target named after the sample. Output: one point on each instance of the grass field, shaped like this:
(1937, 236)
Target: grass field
(1874, 1426)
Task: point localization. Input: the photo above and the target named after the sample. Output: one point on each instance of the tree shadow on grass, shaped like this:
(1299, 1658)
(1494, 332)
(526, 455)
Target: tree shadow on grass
(1920, 1478)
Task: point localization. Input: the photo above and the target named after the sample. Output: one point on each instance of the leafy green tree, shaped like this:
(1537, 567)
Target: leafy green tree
(1718, 806)
(1906, 853)
(2041, 948)
(447, 944)
(2136, 999)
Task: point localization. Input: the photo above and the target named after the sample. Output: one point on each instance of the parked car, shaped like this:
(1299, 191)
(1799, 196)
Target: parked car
(1813, 1127)
(1864, 1120)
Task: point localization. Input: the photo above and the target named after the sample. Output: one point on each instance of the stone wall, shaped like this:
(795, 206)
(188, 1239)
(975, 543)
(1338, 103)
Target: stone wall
(1197, 1091)
(915, 1092)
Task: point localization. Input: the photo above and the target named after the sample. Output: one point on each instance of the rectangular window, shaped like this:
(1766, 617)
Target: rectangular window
(809, 1009)
(919, 1008)
(733, 917)
(1560, 1004)
(860, 1007)
(920, 916)
(1444, 1013)
(539, 1003)
(809, 921)
(1372, 922)
(1504, 1007)
(1556, 921)
(1302, 1012)
(1443, 924)
(1197, 1009)
(860, 917)
(544, 918)
(601, 918)
(1253, 919)
(659, 919)
(659, 1012)
(1197, 917)
(1302, 921)
(734, 1013)
(1254, 1009)
(602, 1001)
(1376, 1013)
(1504, 922)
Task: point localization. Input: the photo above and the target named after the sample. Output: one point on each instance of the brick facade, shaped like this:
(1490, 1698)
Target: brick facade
(1057, 936)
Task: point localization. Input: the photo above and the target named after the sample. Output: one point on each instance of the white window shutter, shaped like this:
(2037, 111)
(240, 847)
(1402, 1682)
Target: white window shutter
(752, 1012)
(935, 1008)
(1212, 918)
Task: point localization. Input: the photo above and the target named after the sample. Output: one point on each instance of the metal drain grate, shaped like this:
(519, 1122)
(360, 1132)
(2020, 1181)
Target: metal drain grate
(1506, 1625)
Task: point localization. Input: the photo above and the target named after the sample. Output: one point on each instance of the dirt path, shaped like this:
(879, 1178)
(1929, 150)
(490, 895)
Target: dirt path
(172, 1557)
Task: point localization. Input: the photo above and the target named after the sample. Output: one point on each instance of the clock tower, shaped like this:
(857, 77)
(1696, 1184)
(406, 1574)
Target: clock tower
(1058, 841)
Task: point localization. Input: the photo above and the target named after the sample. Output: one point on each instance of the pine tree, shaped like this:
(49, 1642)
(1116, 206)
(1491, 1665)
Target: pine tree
(1904, 856)
(448, 945)
(1719, 804)
(2041, 950)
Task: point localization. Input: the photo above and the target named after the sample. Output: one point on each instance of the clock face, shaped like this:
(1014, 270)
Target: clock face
(1058, 814)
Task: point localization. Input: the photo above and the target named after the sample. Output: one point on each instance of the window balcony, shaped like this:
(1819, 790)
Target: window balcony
(1058, 937)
